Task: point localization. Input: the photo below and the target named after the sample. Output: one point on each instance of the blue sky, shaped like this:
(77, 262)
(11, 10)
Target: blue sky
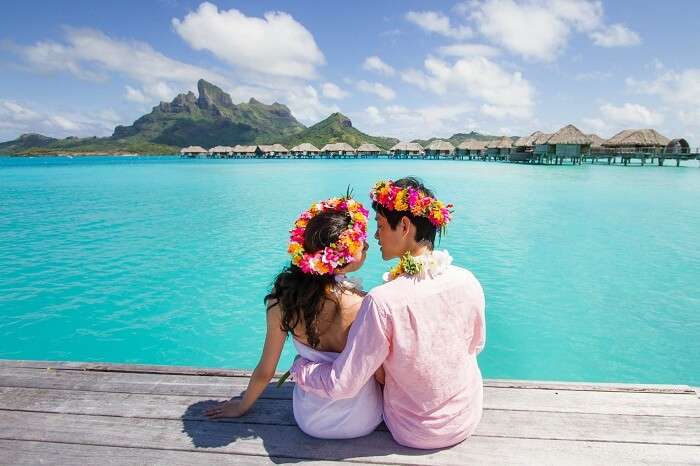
(403, 69)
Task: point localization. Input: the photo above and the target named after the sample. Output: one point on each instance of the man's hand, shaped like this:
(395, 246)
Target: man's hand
(231, 408)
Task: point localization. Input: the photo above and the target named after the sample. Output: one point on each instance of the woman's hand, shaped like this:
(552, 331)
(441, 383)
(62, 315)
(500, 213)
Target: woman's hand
(231, 408)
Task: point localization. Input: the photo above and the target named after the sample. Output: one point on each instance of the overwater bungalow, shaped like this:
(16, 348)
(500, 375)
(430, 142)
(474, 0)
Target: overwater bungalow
(471, 148)
(220, 151)
(499, 149)
(596, 142)
(637, 144)
(245, 151)
(523, 148)
(569, 143)
(438, 148)
(368, 150)
(338, 149)
(305, 149)
(540, 149)
(193, 151)
(638, 140)
(273, 151)
(407, 149)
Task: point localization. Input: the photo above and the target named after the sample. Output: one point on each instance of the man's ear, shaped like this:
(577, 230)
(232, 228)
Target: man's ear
(405, 225)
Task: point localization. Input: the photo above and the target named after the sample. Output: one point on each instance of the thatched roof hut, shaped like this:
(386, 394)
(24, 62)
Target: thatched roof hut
(273, 149)
(438, 146)
(245, 150)
(193, 150)
(220, 150)
(527, 141)
(367, 148)
(569, 135)
(596, 141)
(541, 139)
(503, 143)
(338, 148)
(471, 145)
(407, 148)
(344, 147)
(637, 138)
(305, 148)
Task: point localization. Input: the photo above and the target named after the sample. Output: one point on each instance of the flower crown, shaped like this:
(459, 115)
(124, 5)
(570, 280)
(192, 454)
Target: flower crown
(338, 254)
(410, 199)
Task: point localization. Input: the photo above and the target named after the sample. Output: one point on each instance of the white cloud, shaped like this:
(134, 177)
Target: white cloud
(378, 89)
(90, 54)
(530, 30)
(674, 87)
(677, 89)
(17, 118)
(469, 50)
(375, 63)
(615, 35)
(501, 94)
(374, 115)
(631, 114)
(438, 23)
(63, 123)
(306, 105)
(594, 125)
(411, 123)
(135, 95)
(540, 29)
(332, 91)
(276, 44)
(16, 112)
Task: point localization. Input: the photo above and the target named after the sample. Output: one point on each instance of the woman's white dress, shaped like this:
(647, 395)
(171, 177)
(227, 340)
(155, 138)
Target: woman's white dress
(336, 419)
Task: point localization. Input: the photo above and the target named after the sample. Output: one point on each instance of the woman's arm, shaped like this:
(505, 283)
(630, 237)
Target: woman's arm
(263, 373)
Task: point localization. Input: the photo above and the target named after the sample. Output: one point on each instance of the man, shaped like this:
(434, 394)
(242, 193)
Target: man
(425, 327)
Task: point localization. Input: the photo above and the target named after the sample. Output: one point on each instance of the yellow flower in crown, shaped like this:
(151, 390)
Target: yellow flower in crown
(401, 202)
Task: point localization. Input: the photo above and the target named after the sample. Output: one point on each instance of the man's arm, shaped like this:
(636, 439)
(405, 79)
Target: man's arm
(365, 351)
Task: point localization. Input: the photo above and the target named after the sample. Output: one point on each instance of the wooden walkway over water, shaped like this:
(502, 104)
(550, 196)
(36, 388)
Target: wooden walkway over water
(85, 414)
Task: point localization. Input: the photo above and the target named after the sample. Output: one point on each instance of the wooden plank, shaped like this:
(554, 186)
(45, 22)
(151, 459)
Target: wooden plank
(290, 442)
(118, 382)
(187, 370)
(505, 423)
(28, 453)
(221, 387)
(570, 401)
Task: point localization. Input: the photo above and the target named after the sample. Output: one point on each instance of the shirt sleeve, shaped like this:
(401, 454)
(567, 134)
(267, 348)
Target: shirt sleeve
(366, 349)
(479, 331)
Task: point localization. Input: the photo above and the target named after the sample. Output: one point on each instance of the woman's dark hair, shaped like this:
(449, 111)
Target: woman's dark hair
(425, 231)
(301, 296)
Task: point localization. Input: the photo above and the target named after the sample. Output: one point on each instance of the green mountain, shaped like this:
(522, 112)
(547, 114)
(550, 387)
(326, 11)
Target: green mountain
(337, 128)
(458, 138)
(211, 119)
(207, 120)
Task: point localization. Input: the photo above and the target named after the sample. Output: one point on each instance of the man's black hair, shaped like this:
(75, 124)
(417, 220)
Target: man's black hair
(425, 231)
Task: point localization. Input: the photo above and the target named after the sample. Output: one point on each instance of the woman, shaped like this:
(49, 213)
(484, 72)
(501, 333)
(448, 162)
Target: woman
(312, 300)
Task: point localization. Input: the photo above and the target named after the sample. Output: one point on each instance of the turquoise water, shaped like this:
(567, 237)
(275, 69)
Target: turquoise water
(590, 273)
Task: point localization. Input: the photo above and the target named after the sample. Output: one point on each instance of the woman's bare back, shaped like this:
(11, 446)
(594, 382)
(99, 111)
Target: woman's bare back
(334, 322)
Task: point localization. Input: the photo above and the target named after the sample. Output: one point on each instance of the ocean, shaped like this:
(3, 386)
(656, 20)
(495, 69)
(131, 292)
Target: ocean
(590, 272)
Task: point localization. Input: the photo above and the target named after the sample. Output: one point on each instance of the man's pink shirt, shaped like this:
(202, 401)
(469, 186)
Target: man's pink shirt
(427, 334)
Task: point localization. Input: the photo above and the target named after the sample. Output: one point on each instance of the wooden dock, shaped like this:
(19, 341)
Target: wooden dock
(104, 414)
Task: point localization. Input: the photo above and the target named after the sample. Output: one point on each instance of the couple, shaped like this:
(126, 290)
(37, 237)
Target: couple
(404, 353)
